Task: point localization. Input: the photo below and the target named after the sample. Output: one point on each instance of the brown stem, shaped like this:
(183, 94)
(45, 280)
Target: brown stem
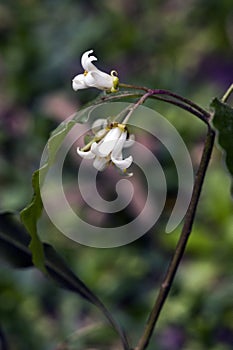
(172, 98)
(135, 106)
(205, 115)
(160, 98)
(136, 87)
(183, 106)
(183, 99)
(182, 102)
(181, 245)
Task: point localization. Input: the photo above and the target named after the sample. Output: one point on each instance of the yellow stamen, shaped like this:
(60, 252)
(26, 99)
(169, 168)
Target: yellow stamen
(121, 127)
(85, 73)
(87, 147)
(112, 125)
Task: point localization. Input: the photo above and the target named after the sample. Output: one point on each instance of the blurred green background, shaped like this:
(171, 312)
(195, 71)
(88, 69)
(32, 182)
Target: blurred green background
(186, 47)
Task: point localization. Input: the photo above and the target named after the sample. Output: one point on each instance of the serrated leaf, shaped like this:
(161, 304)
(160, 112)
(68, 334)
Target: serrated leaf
(223, 122)
(14, 249)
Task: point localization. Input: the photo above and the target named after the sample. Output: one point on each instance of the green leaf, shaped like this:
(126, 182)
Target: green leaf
(223, 122)
(14, 249)
(32, 212)
(30, 215)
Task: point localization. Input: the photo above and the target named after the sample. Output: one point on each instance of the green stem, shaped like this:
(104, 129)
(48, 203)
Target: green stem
(181, 245)
(227, 93)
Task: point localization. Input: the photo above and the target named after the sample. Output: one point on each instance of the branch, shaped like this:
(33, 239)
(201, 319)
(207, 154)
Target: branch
(184, 103)
(181, 245)
(191, 107)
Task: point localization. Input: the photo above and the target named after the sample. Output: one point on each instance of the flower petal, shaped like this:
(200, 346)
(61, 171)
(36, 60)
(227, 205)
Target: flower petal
(122, 163)
(129, 142)
(119, 144)
(93, 77)
(101, 80)
(99, 128)
(79, 82)
(85, 154)
(90, 80)
(108, 143)
(86, 61)
(99, 125)
(100, 163)
(95, 150)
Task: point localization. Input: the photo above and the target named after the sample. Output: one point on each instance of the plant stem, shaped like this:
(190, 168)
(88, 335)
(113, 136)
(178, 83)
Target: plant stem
(160, 98)
(183, 106)
(181, 245)
(136, 87)
(227, 93)
(184, 102)
(183, 99)
(135, 106)
(204, 115)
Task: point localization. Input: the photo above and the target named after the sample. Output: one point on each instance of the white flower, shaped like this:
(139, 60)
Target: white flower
(93, 77)
(107, 147)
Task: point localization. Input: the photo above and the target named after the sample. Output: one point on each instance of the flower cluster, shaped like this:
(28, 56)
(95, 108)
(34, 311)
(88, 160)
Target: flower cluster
(93, 77)
(107, 145)
(109, 138)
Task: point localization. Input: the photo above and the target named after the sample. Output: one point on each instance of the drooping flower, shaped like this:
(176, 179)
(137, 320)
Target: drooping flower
(107, 145)
(93, 77)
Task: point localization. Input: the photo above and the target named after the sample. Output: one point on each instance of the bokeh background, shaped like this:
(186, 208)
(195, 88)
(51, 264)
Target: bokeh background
(182, 46)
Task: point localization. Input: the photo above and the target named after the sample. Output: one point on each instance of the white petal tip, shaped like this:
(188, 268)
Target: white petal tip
(85, 154)
(122, 163)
